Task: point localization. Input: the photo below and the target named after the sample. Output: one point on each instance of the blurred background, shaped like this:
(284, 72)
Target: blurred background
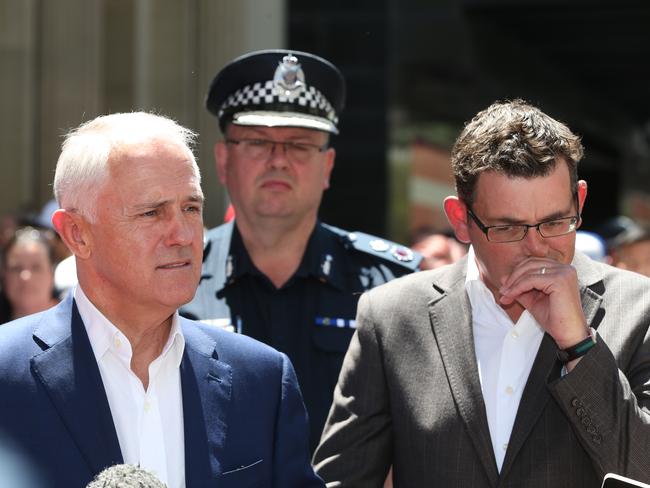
(416, 71)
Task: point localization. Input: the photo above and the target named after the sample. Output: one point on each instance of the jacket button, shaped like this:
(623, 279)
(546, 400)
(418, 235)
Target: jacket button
(586, 421)
(580, 412)
(597, 438)
(575, 402)
(591, 429)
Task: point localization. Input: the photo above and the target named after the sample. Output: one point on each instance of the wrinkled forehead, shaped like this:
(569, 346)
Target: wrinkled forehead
(145, 146)
(130, 155)
(152, 171)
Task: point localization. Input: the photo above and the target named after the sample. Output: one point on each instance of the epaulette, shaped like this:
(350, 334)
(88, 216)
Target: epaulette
(378, 247)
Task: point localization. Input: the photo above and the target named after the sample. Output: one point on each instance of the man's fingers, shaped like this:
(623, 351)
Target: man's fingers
(532, 279)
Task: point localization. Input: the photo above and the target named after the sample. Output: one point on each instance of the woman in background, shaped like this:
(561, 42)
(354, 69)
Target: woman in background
(27, 274)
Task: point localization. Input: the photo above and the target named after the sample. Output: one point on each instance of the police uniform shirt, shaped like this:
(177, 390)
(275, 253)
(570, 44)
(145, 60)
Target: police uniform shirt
(311, 318)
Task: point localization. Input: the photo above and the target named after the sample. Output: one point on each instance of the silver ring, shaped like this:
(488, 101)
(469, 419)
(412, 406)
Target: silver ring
(542, 270)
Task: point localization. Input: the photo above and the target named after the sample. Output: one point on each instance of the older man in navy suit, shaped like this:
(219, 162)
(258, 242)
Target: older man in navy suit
(113, 374)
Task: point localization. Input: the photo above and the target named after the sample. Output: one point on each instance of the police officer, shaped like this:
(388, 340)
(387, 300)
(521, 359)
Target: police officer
(276, 272)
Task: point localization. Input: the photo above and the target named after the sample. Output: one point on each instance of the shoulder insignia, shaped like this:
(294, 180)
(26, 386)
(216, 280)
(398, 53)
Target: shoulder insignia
(379, 245)
(402, 253)
(381, 248)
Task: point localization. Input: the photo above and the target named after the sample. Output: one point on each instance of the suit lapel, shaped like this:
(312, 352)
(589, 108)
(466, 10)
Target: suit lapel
(591, 287)
(206, 384)
(68, 371)
(451, 320)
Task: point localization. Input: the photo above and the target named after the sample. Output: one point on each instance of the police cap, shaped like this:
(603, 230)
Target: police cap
(278, 88)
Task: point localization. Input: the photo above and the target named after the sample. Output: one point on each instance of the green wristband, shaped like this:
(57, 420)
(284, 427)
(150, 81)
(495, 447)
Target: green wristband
(576, 351)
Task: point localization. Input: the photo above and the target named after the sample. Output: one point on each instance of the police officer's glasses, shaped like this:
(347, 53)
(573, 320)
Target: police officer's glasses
(262, 149)
(516, 232)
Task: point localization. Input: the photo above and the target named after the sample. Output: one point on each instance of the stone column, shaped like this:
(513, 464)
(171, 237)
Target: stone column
(17, 86)
(179, 45)
(69, 79)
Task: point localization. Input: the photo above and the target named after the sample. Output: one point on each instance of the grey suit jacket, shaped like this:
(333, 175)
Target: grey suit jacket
(409, 393)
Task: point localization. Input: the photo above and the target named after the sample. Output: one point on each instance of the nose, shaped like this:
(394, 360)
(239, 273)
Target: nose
(535, 243)
(25, 275)
(278, 157)
(181, 230)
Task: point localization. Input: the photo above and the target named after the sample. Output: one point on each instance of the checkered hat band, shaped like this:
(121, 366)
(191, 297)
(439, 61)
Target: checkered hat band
(264, 96)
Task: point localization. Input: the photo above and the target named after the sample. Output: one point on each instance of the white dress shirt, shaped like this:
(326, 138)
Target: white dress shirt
(505, 352)
(149, 424)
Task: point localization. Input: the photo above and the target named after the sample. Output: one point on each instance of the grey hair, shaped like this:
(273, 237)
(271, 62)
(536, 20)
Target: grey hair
(125, 476)
(83, 166)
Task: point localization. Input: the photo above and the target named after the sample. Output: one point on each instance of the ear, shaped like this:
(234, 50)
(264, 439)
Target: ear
(330, 156)
(74, 232)
(221, 160)
(457, 216)
(582, 194)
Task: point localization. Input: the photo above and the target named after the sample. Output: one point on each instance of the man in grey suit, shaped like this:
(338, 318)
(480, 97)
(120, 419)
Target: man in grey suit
(526, 364)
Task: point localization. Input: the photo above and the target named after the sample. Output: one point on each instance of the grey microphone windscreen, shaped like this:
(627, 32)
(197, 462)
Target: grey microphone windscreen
(125, 476)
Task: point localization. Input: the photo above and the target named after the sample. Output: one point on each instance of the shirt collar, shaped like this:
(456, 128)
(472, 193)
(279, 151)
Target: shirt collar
(322, 258)
(472, 268)
(104, 335)
(476, 287)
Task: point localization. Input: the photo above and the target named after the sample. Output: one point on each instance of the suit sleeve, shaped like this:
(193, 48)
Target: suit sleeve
(607, 397)
(291, 464)
(356, 446)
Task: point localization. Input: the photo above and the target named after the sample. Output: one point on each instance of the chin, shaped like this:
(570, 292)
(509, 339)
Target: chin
(271, 210)
(183, 298)
(175, 297)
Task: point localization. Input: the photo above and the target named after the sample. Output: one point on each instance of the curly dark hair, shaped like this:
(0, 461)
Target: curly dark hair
(512, 138)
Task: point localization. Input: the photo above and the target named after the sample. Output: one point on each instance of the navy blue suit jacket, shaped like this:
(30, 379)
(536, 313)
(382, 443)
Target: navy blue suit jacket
(245, 422)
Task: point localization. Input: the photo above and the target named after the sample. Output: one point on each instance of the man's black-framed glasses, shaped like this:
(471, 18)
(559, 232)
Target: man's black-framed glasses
(262, 149)
(516, 232)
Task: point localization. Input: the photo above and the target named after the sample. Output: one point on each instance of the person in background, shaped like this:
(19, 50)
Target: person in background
(9, 224)
(633, 255)
(592, 245)
(113, 374)
(438, 249)
(525, 364)
(628, 244)
(276, 272)
(28, 274)
(43, 220)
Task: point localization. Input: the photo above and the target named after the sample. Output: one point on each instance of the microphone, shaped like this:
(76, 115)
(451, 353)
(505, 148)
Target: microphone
(125, 476)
